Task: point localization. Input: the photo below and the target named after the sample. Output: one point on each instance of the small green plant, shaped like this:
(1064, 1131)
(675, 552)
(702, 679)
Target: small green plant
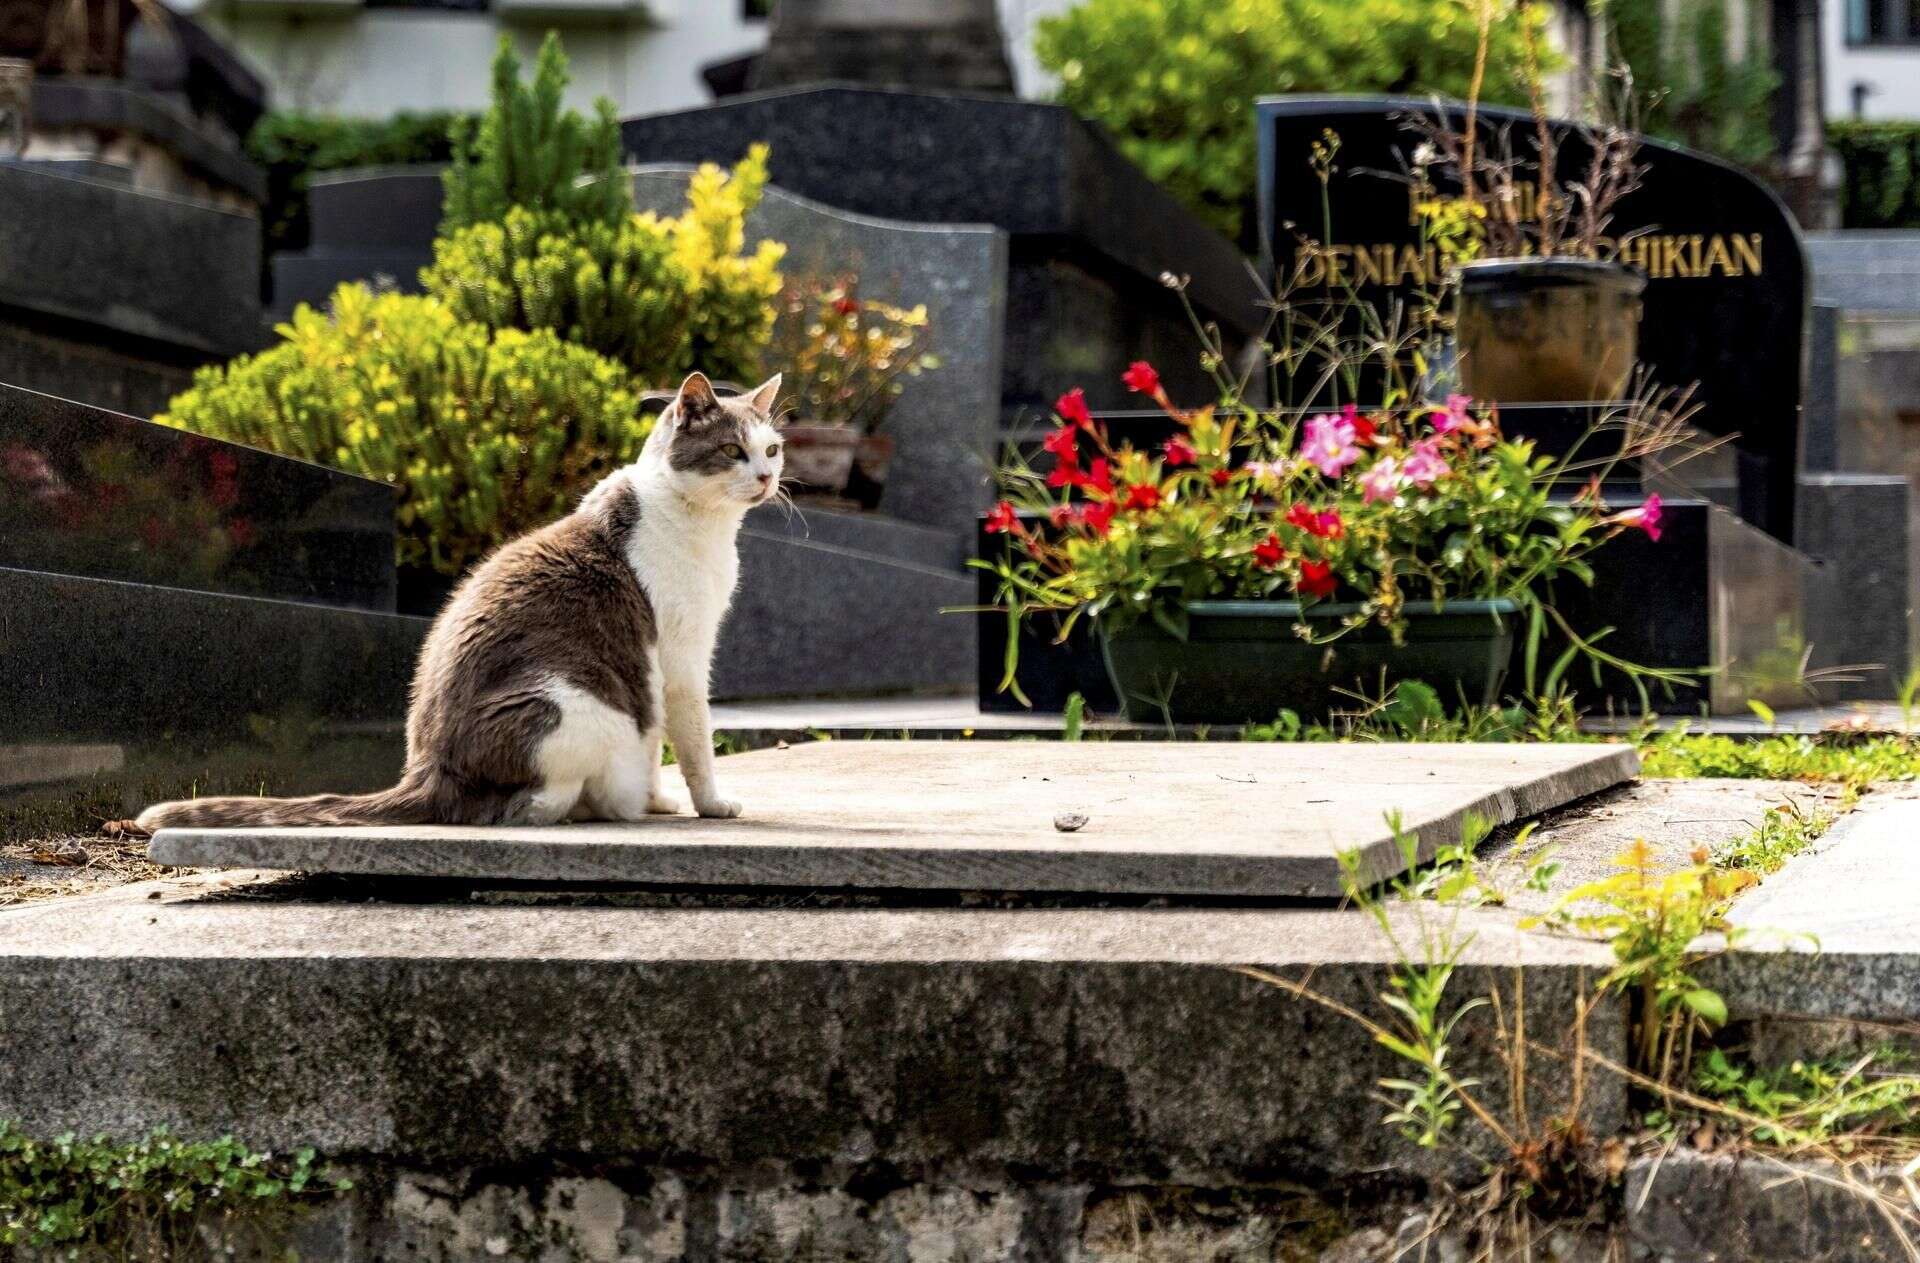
(143, 1199)
(1784, 832)
(527, 151)
(1844, 758)
(1651, 920)
(1838, 1105)
(1880, 187)
(1709, 95)
(1073, 721)
(294, 147)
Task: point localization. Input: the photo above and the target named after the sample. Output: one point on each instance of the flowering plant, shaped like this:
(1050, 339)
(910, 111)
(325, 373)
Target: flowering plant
(845, 358)
(1359, 510)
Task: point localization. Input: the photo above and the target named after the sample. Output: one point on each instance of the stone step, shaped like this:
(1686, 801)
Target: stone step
(1156, 819)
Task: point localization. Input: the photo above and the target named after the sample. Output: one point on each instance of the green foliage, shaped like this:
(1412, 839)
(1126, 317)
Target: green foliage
(1701, 95)
(293, 147)
(1880, 187)
(1784, 832)
(1651, 919)
(660, 296)
(142, 1198)
(846, 358)
(1174, 80)
(1830, 1103)
(1848, 760)
(485, 433)
(530, 152)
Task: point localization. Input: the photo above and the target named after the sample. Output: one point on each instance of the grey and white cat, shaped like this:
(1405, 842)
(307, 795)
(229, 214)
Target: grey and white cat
(547, 683)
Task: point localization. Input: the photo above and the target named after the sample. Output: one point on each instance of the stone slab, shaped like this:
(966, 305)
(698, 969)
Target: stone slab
(893, 1042)
(1263, 820)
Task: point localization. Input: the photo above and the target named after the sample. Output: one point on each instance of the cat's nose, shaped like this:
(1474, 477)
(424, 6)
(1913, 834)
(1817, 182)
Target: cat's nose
(765, 478)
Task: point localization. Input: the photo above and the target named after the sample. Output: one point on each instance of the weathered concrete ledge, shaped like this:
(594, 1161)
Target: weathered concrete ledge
(1157, 818)
(433, 1035)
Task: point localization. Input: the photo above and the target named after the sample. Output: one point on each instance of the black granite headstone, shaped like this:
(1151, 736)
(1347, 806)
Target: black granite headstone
(1726, 299)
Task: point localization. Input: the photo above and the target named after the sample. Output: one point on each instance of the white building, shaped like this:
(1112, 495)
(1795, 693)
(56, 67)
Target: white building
(1872, 55)
(371, 58)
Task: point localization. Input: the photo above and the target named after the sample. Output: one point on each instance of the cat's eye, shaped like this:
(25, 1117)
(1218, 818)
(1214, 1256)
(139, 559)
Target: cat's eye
(773, 449)
(733, 451)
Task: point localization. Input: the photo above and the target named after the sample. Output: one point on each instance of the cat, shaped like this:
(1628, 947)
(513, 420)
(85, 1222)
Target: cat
(549, 679)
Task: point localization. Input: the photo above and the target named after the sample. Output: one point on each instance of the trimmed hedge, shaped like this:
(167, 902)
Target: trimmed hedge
(1881, 184)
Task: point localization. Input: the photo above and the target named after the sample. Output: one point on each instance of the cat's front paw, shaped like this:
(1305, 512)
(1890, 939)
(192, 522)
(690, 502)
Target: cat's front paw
(717, 808)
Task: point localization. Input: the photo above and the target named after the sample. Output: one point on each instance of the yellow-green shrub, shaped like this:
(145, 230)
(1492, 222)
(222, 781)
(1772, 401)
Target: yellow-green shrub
(486, 433)
(661, 295)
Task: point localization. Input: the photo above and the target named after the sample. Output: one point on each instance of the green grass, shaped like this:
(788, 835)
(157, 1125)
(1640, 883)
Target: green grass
(1825, 758)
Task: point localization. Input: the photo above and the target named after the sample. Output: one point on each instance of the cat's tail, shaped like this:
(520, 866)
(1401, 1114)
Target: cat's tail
(406, 803)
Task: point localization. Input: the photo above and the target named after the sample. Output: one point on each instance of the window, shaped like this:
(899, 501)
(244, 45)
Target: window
(1883, 21)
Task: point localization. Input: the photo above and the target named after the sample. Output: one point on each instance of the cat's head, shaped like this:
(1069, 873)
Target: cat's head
(721, 452)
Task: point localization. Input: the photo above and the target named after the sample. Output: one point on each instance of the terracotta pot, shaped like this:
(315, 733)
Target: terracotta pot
(820, 457)
(1547, 330)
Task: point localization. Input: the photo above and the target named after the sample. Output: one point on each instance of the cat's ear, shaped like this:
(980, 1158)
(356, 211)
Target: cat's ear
(762, 396)
(696, 400)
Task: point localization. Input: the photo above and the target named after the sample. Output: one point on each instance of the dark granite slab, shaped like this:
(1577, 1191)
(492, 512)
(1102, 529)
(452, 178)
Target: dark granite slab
(105, 105)
(166, 692)
(1726, 299)
(84, 491)
(174, 271)
(1033, 169)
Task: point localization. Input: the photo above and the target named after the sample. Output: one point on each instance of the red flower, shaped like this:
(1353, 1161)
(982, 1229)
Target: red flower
(1062, 444)
(1221, 477)
(1141, 378)
(1267, 553)
(846, 306)
(1325, 525)
(1316, 579)
(1142, 495)
(1100, 478)
(1060, 515)
(1098, 517)
(1067, 474)
(1072, 408)
(1002, 519)
(1179, 451)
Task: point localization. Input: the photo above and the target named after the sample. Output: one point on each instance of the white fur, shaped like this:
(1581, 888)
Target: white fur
(683, 552)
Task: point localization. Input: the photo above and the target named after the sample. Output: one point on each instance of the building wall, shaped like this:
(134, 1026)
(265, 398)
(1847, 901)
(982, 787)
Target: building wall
(1891, 72)
(374, 62)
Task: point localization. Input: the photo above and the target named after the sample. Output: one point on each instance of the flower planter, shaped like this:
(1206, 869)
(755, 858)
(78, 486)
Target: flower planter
(1243, 663)
(820, 457)
(1547, 330)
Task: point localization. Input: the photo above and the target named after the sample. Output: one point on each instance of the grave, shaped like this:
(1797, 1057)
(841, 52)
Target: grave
(183, 612)
(1134, 818)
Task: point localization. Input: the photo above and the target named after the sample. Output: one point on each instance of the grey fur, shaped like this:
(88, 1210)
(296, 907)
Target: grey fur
(560, 603)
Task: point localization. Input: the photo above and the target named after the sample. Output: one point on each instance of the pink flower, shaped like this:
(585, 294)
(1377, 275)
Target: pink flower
(1179, 452)
(1330, 444)
(1454, 415)
(1326, 525)
(1425, 465)
(1646, 517)
(1267, 473)
(1382, 482)
(1060, 515)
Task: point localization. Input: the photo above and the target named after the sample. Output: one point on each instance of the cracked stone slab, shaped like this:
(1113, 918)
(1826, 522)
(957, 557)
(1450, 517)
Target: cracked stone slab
(1162, 818)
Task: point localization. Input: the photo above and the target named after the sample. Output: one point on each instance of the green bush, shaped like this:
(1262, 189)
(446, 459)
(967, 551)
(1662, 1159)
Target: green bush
(661, 296)
(1881, 162)
(486, 433)
(1696, 92)
(1175, 80)
(529, 152)
(292, 147)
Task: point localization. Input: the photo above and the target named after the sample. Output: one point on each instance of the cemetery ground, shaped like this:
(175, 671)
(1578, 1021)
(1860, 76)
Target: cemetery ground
(1040, 1038)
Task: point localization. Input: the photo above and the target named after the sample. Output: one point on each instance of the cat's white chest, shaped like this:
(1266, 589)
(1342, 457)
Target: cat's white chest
(689, 570)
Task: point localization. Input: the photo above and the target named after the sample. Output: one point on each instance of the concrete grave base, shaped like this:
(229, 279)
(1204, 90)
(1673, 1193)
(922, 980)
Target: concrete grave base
(1160, 818)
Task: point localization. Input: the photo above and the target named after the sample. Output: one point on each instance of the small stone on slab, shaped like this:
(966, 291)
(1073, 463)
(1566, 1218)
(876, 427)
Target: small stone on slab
(1266, 820)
